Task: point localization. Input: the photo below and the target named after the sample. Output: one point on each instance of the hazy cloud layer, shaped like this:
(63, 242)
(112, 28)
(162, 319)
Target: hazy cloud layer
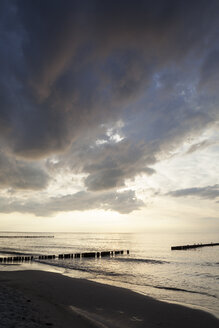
(209, 192)
(199, 146)
(123, 203)
(70, 71)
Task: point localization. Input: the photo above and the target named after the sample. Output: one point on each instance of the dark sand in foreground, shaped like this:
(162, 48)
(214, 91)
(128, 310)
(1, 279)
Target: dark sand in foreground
(43, 299)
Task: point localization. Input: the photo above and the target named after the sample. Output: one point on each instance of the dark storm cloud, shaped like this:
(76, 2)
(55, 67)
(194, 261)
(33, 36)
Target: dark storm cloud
(209, 72)
(209, 192)
(71, 69)
(123, 203)
(82, 61)
(109, 165)
(21, 175)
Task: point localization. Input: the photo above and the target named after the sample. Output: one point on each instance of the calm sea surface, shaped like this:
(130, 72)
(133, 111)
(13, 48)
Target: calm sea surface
(189, 277)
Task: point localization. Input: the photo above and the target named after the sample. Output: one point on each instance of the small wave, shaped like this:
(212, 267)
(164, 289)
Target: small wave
(14, 252)
(97, 272)
(101, 272)
(184, 290)
(207, 275)
(9, 264)
(209, 264)
(149, 261)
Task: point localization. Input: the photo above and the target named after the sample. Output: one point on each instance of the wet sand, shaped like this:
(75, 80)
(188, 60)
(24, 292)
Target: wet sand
(44, 299)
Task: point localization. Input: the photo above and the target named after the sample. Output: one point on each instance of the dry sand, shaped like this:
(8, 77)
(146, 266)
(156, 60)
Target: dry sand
(44, 299)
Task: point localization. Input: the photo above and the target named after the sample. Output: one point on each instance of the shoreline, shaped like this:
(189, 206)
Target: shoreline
(57, 269)
(53, 299)
(52, 268)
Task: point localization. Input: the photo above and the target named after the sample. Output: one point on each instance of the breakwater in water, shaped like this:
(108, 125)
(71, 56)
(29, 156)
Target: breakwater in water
(184, 247)
(62, 256)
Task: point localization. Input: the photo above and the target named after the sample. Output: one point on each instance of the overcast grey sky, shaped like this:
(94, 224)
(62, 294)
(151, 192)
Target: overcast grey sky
(109, 109)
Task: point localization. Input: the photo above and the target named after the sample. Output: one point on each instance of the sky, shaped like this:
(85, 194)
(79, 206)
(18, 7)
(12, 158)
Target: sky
(109, 115)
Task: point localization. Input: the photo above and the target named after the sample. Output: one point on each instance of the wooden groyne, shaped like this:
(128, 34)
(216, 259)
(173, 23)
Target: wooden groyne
(184, 247)
(16, 259)
(62, 256)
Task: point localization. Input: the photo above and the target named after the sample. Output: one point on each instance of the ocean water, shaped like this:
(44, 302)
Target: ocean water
(189, 277)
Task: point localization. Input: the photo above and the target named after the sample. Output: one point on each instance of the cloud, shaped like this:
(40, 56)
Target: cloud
(199, 146)
(111, 164)
(123, 202)
(209, 72)
(71, 71)
(84, 63)
(22, 175)
(106, 165)
(209, 192)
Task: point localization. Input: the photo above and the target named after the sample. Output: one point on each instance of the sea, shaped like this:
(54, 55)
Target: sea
(187, 277)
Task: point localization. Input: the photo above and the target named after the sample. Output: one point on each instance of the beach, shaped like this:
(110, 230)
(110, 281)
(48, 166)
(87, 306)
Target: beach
(39, 299)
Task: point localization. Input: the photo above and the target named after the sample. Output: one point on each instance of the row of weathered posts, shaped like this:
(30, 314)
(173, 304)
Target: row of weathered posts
(184, 247)
(16, 259)
(62, 256)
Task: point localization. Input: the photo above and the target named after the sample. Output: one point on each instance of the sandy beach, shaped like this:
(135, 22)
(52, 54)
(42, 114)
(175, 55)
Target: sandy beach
(40, 299)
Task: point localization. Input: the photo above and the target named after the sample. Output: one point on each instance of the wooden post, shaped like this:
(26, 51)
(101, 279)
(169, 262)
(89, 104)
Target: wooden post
(89, 254)
(105, 254)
